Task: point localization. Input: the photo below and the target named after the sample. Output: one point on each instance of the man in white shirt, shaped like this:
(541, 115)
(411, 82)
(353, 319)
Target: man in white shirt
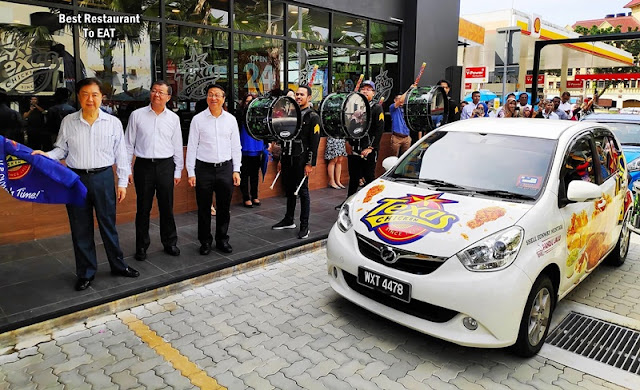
(565, 104)
(154, 136)
(468, 109)
(91, 141)
(213, 164)
(548, 112)
(523, 101)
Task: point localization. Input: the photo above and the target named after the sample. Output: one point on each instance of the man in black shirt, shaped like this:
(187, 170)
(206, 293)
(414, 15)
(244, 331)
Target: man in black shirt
(364, 151)
(297, 161)
(454, 114)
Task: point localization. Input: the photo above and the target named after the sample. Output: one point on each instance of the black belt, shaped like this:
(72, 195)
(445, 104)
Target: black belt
(400, 135)
(153, 160)
(216, 165)
(90, 171)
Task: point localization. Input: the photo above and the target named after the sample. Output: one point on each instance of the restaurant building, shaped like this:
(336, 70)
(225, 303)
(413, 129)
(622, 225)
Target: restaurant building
(247, 46)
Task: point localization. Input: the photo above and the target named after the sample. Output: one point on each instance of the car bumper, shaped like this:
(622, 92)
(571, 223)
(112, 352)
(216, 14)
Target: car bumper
(495, 300)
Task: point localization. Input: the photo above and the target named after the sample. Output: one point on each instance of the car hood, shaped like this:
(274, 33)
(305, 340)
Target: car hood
(435, 223)
(631, 152)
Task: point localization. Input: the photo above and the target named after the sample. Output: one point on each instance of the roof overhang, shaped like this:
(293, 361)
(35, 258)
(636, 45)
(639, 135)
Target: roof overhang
(608, 76)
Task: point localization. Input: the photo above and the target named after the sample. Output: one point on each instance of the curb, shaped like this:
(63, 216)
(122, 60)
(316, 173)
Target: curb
(32, 335)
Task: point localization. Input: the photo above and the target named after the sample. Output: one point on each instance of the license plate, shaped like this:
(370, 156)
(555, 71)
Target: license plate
(384, 284)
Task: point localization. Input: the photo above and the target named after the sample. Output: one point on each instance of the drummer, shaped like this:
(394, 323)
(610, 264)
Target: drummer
(364, 151)
(297, 161)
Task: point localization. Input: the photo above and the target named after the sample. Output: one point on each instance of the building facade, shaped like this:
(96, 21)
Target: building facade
(247, 46)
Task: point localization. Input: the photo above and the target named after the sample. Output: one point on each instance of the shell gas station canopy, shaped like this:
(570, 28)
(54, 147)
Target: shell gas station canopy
(483, 53)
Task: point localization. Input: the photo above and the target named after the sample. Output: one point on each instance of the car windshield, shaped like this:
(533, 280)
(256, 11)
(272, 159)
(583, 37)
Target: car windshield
(504, 166)
(627, 133)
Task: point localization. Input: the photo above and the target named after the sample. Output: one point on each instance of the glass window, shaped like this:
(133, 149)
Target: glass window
(348, 65)
(384, 36)
(570, 72)
(608, 156)
(309, 24)
(384, 71)
(209, 12)
(37, 52)
(633, 83)
(349, 30)
(470, 160)
(302, 58)
(142, 7)
(557, 85)
(257, 64)
(579, 163)
(195, 58)
(261, 16)
(124, 65)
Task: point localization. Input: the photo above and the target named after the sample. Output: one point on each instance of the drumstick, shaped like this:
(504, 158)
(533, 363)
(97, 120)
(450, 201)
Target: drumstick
(415, 83)
(275, 180)
(424, 65)
(300, 185)
(313, 75)
(381, 100)
(359, 82)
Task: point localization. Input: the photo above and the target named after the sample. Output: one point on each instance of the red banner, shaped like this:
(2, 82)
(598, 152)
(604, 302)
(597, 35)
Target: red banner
(575, 84)
(528, 80)
(478, 72)
(467, 85)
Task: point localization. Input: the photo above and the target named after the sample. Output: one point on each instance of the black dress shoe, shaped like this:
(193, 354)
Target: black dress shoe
(224, 247)
(205, 249)
(141, 254)
(83, 283)
(172, 250)
(127, 272)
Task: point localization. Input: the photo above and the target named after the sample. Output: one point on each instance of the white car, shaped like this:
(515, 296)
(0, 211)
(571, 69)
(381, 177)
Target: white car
(476, 232)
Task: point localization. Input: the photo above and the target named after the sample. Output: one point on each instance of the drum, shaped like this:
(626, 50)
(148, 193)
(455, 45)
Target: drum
(426, 108)
(345, 115)
(269, 119)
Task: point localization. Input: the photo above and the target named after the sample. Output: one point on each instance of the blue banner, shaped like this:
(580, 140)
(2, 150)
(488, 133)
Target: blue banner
(36, 178)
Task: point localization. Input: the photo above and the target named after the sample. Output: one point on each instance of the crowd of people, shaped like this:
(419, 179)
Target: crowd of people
(514, 106)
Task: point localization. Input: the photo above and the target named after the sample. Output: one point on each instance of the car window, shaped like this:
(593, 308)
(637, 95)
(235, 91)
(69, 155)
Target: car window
(578, 164)
(606, 156)
(627, 133)
(481, 161)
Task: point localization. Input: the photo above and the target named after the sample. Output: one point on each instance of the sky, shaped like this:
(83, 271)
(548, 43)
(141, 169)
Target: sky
(564, 12)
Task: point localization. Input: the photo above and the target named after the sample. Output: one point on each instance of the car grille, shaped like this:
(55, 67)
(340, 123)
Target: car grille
(411, 262)
(416, 308)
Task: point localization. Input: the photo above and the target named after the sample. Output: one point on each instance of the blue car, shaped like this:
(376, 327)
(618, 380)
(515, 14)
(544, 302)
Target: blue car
(626, 127)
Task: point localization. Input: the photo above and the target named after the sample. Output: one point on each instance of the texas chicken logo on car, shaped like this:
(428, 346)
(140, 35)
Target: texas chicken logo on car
(409, 218)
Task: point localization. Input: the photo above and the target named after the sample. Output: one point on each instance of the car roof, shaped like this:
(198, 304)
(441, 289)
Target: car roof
(534, 128)
(632, 118)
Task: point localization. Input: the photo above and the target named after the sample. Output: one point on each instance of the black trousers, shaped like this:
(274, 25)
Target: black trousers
(249, 173)
(154, 178)
(101, 196)
(361, 167)
(292, 174)
(210, 179)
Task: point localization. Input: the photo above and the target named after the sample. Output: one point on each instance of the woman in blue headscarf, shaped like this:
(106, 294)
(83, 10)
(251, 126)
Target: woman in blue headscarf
(480, 111)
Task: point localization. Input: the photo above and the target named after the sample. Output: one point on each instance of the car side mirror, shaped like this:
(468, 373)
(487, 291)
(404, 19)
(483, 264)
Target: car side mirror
(389, 162)
(583, 191)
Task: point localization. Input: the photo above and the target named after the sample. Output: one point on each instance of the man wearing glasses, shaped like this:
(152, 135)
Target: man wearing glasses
(213, 164)
(154, 136)
(91, 141)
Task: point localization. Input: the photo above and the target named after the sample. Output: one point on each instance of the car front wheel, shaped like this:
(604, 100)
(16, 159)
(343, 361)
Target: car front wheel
(536, 318)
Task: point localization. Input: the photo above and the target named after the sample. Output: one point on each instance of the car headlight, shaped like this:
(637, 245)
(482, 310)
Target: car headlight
(344, 219)
(634, 165)
(493, 253)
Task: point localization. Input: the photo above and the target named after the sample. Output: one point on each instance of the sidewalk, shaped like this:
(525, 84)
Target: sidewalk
(37, 277)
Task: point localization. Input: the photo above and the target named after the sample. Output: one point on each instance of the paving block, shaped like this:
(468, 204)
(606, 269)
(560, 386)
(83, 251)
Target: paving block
(307, 382)
(256, 381)
(425, 371)
(272, 366)
(150, 380)
(246, 367)
(298, 368)
(231, 382)
(384, 382)
(345, 370)
(59, 333)
(31, 341)
(176, 381)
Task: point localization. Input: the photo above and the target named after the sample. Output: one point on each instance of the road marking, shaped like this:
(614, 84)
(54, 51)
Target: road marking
(180, 362)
